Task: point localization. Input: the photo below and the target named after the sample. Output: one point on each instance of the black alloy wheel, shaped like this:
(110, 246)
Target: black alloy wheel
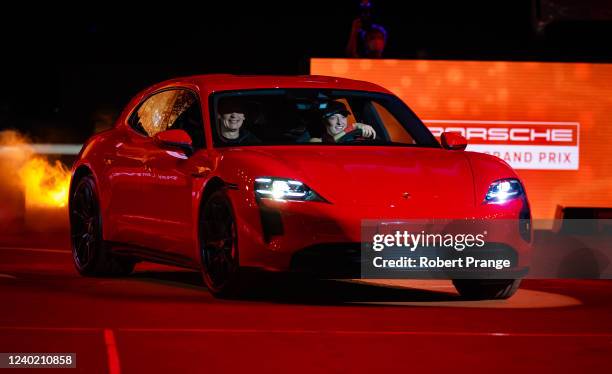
(219, 245)
(90, 253)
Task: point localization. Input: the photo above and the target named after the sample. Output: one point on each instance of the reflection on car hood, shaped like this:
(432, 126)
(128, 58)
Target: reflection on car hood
(365, 175)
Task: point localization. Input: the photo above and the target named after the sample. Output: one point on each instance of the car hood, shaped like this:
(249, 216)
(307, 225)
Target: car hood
(427, 178)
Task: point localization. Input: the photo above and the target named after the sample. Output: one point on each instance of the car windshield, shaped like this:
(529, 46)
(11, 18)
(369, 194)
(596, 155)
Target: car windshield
(314, 116)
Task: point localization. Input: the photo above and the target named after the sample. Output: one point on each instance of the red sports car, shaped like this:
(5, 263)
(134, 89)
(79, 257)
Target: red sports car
(221, 173)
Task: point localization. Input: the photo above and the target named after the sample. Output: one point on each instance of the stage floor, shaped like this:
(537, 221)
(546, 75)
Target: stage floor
(162, 319)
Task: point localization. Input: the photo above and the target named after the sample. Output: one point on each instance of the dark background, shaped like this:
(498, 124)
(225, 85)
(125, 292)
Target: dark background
(68, 70)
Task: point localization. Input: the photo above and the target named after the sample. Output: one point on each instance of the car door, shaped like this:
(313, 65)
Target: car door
(125, 173)
(169, 196)
(129, 171)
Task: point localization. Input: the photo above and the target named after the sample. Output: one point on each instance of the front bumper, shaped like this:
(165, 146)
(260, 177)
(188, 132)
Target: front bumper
(295, 236)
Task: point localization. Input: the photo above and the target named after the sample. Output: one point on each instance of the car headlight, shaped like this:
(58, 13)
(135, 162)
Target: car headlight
(284, 189)
(503, 190)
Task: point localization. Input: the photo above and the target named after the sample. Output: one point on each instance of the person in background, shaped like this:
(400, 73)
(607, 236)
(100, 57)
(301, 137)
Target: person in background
(367, 39)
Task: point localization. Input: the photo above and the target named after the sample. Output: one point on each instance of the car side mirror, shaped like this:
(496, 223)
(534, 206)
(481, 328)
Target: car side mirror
(453, 141)
(175, 139)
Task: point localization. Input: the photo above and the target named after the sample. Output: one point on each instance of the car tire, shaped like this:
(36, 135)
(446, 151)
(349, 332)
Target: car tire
(486, 289)
(219, 247)
(90, 253)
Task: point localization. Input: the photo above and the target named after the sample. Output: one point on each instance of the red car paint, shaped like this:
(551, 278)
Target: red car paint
(150, 199)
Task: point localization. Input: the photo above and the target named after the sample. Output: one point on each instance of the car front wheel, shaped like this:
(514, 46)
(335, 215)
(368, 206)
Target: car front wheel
(485, 289)
(219, 246)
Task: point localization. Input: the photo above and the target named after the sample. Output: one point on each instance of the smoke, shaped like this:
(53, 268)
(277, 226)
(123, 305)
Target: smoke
(29, 182)
(14, 153)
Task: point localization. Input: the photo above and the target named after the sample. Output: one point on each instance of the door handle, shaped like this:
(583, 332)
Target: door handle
(108, 160)
(147, 168)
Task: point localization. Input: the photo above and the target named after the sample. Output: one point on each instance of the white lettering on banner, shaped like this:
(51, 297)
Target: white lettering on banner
(534, 157)
(515, 135)
(503, 134)
(524, 144)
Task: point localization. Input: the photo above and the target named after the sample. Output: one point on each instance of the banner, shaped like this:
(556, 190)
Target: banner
(550, 121)
(522, 144)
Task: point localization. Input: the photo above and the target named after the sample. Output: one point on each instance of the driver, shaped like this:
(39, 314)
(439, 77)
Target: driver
(230, 118)
(334, 118)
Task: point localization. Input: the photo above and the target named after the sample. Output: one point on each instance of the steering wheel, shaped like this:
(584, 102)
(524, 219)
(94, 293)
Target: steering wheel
(356, 136)
(352, 137)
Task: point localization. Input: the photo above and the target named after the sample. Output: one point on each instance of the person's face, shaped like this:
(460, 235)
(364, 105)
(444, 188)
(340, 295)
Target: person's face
(375, 42)
(232, 121)
(336, 124)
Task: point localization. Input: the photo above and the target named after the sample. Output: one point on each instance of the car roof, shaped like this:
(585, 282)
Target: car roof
(209, 83)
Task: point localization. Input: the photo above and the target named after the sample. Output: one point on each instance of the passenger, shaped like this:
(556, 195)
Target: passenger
(231, 117)
(336, 127)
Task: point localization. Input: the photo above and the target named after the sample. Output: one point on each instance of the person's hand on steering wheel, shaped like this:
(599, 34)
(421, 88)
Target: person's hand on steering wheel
(351, 137)
(367, 130)
(357, 136)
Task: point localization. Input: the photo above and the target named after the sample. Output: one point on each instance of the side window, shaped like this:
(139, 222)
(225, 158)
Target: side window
(171, 109)
(186, 115)
(397, 132)
(152, 116)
